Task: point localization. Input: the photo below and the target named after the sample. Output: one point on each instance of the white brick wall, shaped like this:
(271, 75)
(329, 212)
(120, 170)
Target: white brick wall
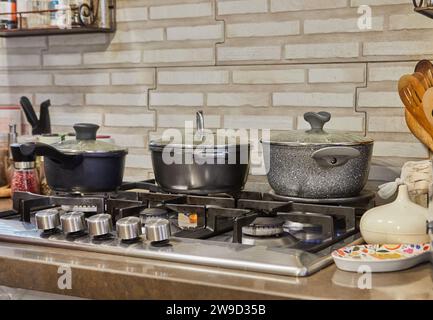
(116, 99)
(321, 50)
(138, 161)
(380, 99)
(19, 60)
(258, 122)
(208, 32)
(65, 59)
(397, 48)
(129, 120)
(181, 11)
(249, 53)
(78, 40)
(12, 98)
(193, 77)
(313, 99)
(296, 5)
(246, 63)
(263, 29)
(189, 99)
(178, 55)
(388, 72)
(387, 124)
(26, 79)
(269, 76)
(408, 21)
(323, 75)
(128, 140)
(178, 120)
(229, 99)
(399, 149)
(340, 25)
(241, 6)
(113, 57)
(131, 14)
(70, 118)
(133, 77)
(139, 35)
(61, 99)
(91, 79)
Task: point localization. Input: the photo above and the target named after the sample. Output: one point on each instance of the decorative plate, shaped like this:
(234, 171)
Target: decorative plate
(381, 257)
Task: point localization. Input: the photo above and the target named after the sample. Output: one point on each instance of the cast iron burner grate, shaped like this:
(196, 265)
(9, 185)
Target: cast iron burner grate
(219, 217)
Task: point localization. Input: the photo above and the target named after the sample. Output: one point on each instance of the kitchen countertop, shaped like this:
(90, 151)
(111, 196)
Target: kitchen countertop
(102, 276)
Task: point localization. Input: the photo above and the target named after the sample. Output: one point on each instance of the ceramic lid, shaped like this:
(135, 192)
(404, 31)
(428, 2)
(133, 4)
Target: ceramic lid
(316, 135)
(401, 217)
(86, 142)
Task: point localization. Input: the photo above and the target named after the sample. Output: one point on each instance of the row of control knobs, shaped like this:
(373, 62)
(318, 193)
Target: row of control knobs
(128, 228)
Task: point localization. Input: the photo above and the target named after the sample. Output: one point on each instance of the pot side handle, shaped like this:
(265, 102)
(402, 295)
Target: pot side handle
(335, 156)
(45, 150)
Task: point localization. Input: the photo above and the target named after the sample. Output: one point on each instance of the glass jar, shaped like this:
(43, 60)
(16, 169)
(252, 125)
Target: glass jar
(25, 177)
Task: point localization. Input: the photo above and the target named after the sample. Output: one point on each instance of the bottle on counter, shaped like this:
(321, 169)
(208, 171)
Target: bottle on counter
(9, 21)
(25, 176)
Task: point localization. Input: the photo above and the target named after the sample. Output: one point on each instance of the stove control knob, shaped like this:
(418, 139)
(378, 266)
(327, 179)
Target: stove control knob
(99, 224)
(47, 219)
(158, 230)
(128, 228)
(73, 222)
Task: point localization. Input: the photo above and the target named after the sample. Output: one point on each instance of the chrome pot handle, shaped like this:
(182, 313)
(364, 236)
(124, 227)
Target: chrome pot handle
(317, 120)
(200, 122)
(335, 156)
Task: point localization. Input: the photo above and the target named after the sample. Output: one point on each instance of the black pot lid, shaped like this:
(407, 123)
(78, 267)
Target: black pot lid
(316, 135)
(86, 142)
(200, 139)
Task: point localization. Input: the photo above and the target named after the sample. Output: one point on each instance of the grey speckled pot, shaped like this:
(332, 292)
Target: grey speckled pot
(298, 171)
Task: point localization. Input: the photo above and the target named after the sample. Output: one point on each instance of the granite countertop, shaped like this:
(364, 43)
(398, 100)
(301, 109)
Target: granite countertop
(102, 276)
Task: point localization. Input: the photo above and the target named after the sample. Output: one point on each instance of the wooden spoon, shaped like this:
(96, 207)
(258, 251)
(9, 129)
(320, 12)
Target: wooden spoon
(422, 80)
(418, 131)
(426, 68)
(411, 93)
(427, 103)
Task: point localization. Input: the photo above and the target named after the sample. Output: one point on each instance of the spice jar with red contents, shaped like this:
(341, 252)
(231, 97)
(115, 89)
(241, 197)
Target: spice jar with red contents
(25, 176)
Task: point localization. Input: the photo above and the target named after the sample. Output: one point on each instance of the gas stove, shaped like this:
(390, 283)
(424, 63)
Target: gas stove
(249, 230)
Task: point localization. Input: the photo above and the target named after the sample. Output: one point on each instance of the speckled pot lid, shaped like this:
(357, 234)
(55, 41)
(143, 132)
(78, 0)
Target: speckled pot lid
(316, 135)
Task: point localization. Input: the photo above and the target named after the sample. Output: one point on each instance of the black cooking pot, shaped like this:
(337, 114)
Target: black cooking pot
(83, 165)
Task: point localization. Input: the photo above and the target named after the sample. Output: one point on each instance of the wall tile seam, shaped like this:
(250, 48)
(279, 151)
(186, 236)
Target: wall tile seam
(357, 88)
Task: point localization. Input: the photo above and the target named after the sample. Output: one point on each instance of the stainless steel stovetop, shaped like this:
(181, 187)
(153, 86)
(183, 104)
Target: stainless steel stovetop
(248, 231)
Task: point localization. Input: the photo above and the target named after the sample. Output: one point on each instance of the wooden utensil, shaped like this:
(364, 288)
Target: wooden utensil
(422, 80)
(427, 103)
(5, 192)
(418, 131)
(426, 68)
(411, 93)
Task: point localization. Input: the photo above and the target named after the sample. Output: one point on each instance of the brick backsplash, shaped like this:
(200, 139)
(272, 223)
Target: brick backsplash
(247, 63)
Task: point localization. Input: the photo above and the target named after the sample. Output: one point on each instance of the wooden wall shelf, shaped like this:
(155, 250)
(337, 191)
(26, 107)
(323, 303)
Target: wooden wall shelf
(427, 11)
(53, 30)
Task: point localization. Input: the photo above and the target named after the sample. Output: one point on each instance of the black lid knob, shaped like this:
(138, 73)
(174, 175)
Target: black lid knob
(86, 131)
(17, 155)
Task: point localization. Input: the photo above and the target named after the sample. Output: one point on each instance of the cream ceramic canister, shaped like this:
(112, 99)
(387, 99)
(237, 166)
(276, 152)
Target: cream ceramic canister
(400, 222)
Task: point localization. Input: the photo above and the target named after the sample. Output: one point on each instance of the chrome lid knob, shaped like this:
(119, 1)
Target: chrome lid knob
(73, 222)
(47, 219)
(158, 230)
(99, 224)
(128, 228)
